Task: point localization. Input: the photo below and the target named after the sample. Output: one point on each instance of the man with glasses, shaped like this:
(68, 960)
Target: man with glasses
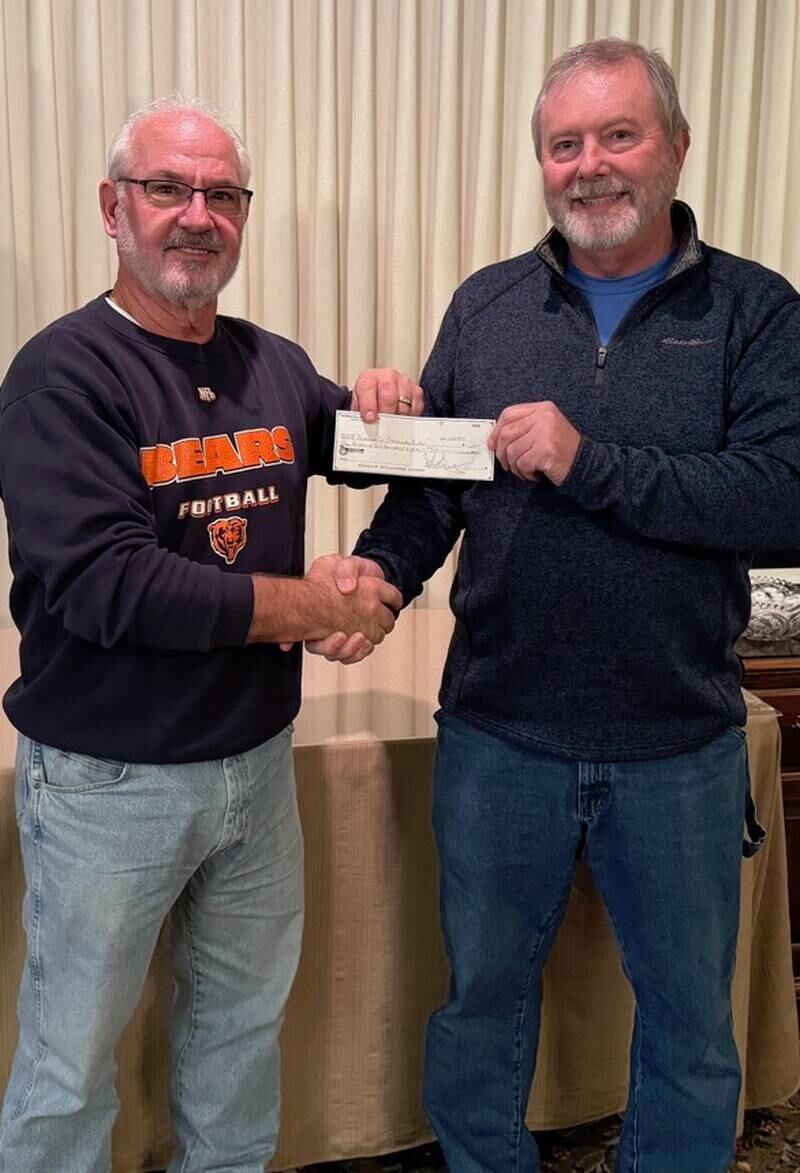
(154, 459)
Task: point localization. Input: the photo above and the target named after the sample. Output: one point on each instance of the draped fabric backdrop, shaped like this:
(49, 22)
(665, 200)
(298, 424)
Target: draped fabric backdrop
(391, 154)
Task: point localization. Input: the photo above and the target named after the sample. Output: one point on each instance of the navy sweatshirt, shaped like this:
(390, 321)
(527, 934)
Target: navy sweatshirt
(144, 480)
(597, 620)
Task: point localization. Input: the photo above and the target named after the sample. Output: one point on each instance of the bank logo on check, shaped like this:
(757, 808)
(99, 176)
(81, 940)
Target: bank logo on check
(414, 446)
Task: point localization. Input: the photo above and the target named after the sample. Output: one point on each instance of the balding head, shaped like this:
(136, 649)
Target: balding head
(172, 110)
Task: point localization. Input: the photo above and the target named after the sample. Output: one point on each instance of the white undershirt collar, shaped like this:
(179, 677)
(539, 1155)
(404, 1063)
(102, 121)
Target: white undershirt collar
(124, 313)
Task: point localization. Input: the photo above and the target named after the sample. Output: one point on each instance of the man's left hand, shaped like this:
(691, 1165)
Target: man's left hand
(386, 390)
(533, 440)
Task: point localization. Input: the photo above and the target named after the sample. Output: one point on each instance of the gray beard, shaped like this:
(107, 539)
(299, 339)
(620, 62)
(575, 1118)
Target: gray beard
(185, 288)
(619, 224)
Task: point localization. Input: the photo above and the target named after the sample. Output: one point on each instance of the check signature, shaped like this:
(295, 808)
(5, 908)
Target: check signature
(439, 460)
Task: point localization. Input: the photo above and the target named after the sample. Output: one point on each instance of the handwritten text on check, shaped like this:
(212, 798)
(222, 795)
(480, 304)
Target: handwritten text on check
(414, 446)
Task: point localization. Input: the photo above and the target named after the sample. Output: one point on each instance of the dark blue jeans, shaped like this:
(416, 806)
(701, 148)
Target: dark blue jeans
(664, 840)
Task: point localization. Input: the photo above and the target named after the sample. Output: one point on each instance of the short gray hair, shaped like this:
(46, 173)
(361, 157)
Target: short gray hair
(119, 151)
(604, 53)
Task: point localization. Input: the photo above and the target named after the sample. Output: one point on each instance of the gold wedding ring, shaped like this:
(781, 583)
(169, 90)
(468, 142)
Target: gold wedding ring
(404, 399)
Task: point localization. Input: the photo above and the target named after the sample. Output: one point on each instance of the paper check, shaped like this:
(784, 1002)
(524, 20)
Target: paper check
(414, 446)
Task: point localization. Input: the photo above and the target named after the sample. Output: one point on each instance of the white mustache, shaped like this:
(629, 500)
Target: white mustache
(592, 189)
(193, 240)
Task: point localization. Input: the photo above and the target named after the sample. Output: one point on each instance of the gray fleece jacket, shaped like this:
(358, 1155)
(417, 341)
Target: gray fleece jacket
(597, 620)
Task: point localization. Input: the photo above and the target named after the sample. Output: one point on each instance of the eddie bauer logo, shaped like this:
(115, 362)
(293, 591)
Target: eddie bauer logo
(228, 537)
(194, 457)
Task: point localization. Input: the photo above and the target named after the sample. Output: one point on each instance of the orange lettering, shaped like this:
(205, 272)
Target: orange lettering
(256, 447)
(220, 455)
(189, 459)
(193, 457)
(157, 464)
(283, 443)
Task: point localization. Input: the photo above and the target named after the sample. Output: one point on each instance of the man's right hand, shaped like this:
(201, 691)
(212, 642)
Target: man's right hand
(368, 603)
(348, 572)
(359, 606)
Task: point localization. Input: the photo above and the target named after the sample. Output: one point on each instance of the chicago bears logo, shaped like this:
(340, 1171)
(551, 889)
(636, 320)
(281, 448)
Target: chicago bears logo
(228, 537)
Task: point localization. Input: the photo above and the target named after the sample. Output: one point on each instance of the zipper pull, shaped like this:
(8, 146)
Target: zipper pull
(600, 362)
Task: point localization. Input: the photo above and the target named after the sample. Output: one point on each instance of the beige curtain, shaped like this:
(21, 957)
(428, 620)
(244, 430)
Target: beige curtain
(391, 154)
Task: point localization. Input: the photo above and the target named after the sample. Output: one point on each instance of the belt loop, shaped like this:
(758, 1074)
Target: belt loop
(37, 764)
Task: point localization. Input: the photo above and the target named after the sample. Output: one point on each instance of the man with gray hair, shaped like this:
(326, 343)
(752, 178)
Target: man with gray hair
(154, 459)
(647, 395)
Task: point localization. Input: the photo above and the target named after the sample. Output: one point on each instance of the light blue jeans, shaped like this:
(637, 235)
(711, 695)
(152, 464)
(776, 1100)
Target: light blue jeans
(109, 849)
(664, 840)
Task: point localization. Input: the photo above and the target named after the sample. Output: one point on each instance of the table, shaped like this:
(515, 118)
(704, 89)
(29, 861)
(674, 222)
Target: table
(373, 966)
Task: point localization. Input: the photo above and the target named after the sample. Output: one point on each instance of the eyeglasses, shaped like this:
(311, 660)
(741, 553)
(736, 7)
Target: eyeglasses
(168, 193)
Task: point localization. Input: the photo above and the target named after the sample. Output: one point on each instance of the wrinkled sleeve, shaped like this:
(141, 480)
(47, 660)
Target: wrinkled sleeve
(333, 398)
(418, 522)
(328, 398)
(745, 497)
(81, 519)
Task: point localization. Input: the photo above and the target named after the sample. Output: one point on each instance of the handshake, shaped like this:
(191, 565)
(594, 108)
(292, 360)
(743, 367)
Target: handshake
(367, 604)
(340, 609)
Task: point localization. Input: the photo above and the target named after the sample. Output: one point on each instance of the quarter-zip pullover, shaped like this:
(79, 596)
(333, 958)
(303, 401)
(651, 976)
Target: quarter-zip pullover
(598, 619)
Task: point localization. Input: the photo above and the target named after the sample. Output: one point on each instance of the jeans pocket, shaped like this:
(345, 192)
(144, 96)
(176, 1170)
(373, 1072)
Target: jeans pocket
(76, 772)
(22, 779)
